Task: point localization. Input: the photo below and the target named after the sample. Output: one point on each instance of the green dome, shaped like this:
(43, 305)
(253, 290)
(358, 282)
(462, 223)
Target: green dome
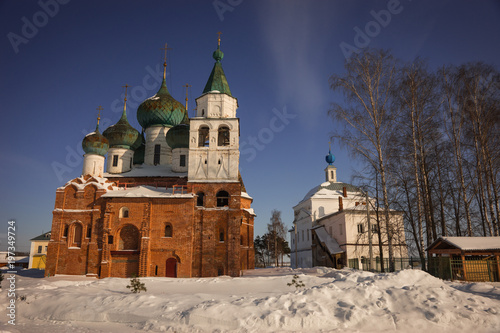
(138, 142)
(122, 134)
(178, 136)
(140, 151)
(217, 79)
(161, 109)
(218, 54)
(95, 143)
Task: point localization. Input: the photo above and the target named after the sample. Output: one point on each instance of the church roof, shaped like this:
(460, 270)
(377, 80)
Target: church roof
(330, 189)
(146, 192)
(144, 170)
(44, 236)
(217, 80)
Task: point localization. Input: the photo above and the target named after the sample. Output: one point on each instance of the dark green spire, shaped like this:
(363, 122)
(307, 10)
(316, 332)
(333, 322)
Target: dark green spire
(217, 80)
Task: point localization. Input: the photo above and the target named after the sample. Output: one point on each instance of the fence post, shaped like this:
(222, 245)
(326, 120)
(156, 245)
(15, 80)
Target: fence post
(451, 268)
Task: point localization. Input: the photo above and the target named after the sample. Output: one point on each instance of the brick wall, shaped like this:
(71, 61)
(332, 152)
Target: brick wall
(195, 242)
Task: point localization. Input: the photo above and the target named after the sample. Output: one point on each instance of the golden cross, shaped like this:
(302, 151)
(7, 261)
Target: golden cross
(218, 39)
(165, 49)
(125, 86)
(99, 108)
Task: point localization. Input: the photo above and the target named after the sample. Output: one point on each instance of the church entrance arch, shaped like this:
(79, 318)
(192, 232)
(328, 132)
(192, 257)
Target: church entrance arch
(171, 268)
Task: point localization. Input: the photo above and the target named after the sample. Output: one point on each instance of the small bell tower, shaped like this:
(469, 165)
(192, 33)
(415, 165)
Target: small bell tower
(331, 170)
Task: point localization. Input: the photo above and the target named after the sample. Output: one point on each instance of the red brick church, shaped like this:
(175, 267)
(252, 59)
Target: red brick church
(171, 201)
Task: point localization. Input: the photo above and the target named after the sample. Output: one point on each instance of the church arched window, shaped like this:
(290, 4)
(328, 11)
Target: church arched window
(223, 137)
(222, 199)
(76, 235)
(124, 212)
(221, 235)
(168, 230)
(203, 136)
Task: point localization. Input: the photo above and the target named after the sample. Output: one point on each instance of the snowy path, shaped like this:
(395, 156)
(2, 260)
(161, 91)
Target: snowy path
(261, 301)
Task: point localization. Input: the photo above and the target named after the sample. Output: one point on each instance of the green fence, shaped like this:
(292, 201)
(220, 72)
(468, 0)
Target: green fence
(446, 268)
(399, 264)
(474, 270)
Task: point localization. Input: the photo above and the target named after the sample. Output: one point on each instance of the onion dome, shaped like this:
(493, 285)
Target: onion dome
(217, 80)
(140, 141)
(122, 134)
(95, 143)
(140, 150)
(178, 136)
(330, 158)
(161, 109)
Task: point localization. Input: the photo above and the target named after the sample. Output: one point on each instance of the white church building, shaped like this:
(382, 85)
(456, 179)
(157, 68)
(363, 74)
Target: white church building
(330, 226)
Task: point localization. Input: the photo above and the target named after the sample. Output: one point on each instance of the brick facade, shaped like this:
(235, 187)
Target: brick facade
(167, 236)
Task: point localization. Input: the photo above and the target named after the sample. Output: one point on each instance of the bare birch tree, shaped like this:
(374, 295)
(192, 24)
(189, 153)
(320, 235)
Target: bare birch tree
(368, 118)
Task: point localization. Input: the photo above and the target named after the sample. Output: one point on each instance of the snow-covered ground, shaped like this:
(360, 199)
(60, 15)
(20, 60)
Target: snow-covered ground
(260, 301)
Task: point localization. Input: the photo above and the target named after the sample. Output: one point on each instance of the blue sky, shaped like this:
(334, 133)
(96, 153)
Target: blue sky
(59, 63)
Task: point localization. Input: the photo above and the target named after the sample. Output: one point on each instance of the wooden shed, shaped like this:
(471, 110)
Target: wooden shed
(468, 258)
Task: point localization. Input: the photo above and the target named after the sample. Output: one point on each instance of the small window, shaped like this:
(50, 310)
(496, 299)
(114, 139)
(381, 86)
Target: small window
(156, 158)
(221, 236)
(46, 247)
(200, 199)
(168, 230)
(39, 249)
(374, 228)
(65, 234)
(124, 212)
(361, 229)
(302, 235)
(220, 271)
(156, 270)
(115, 160)
(203, 136)
(131, 163)
(222, 199)
(223, 137)
(308, 231)
(89, 232)
(110, 239)
(182, 162)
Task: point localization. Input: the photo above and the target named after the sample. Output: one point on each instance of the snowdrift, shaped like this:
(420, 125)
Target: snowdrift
(261, 301)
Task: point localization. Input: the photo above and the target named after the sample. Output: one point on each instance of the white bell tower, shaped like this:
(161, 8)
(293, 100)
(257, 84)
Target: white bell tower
(214, 133)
